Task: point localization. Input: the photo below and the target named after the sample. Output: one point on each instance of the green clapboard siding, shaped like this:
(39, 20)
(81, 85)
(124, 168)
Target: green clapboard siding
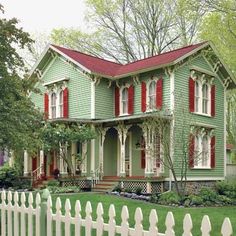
(104, 100)
(184, 119)
(79, 88)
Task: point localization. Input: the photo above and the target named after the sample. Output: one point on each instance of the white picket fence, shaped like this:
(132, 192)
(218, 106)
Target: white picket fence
(26, 218)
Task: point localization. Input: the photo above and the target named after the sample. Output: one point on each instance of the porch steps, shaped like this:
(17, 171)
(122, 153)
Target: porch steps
(106, 185)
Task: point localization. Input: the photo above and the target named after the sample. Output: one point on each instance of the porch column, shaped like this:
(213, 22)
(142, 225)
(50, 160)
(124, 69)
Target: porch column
(92, 155)
(41, 162)
(122, 133)
(147, 134)
(73, 155)
(62, 164)
(26, 163)
(84, 158)
(102, 134)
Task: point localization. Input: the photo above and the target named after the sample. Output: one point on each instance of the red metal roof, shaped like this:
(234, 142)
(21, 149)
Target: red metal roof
(108, 68)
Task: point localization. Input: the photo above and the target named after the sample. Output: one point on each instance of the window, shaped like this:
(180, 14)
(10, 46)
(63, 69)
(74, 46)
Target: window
(197, 96)
(205, 99)
(152, 95)
(202, 98)
(61, 104)
(53, 105)
(202, 151)
(124, 101)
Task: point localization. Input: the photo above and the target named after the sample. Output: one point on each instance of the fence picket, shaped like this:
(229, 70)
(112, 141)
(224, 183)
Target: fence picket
(3, 213)
(88, 219)
(49, 216)
(58, 217)
(170, 223)
(67, 217)
(99, 220)
(187, 225)
(112, 221)
(22, 215)
(9, 214)
(30, 214)
(124, 229)
(206, 226)
(37, 214)
(153, 220)
(78, 218)
(16, 214)
(226, 229)
(138, 227)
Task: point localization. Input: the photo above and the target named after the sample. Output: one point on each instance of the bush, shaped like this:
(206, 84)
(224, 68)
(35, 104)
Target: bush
(70, 189)
(195, 200)
(117, 189)
(8, 177)
(169, 198)
(138, 190)
(208, 195)
(128, 190)
(226, 188)
(53, 183)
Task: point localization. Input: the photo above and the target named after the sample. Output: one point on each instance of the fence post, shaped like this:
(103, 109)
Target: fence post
(43, 216)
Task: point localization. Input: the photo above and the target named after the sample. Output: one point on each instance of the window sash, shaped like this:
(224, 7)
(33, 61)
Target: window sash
(152, 95)
(124, 101)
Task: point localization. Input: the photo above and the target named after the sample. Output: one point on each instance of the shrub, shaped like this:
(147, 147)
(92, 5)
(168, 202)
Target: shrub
(195, 200)
(224, 200)
(169, 198)
(208, 195)
(117, 189)
(226, 188)
(128, 190)
(8, 177)
(138, 190)
(53, 183)
(69, 189)
(154, 198)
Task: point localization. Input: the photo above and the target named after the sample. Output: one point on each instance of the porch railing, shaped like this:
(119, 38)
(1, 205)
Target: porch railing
(37, 174)
(96, 177)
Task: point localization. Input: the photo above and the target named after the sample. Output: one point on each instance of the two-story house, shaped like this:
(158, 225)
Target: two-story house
(185, 88)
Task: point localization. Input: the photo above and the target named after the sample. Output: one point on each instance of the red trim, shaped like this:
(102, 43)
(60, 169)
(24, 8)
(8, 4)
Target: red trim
(65, 103)
(159, 87)
(46, 105)
(191, 94)
(191, 150)
(117, 101)
(131, 100)
(34, 163)
(213, 142)
(143, 96)
(213, 92)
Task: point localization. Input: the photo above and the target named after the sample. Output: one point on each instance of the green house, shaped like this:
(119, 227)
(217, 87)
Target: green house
(183, 91)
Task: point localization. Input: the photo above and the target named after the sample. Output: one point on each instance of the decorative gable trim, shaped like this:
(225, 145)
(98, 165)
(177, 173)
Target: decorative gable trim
(56, 81)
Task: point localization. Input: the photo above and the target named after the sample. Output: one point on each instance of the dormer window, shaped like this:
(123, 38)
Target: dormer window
(53, 105)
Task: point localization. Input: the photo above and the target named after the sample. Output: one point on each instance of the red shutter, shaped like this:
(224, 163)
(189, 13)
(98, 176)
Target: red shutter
(143, 156)
(46, 105)
(191, 151)
(159, 87)
(191, 87)
(143, 97)
(213, 142)
(65, 103)
(213, 92)
(117, 101)
(131, 100)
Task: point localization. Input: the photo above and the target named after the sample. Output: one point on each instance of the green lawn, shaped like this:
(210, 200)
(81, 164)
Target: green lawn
(216, 214)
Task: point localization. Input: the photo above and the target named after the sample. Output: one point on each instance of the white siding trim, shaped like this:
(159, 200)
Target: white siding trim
(172, 91)
(92, 99)
(225, 132)
(199, 178)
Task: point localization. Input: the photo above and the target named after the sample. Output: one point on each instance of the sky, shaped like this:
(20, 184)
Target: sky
(44, 15)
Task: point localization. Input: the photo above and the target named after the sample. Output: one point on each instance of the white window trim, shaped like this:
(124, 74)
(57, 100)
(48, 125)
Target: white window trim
(148, 109)
(200, 108)
(200, 144)
(121, 103)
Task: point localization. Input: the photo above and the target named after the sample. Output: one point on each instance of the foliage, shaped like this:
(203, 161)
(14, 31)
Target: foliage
(208, 195)
(53, 183)
(194, 200)
(169, 198)
(69, 189)
(117, 189)
(59, 137)
(138, 190)
(11, 37)
(226, 188)
(128, 190)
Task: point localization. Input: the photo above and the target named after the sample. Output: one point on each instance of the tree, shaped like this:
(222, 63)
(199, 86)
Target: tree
(126, 30)
(19, 120)
(58, 137)
(11, 37)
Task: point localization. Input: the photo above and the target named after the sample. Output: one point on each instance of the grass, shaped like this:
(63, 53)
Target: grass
(216, 214)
